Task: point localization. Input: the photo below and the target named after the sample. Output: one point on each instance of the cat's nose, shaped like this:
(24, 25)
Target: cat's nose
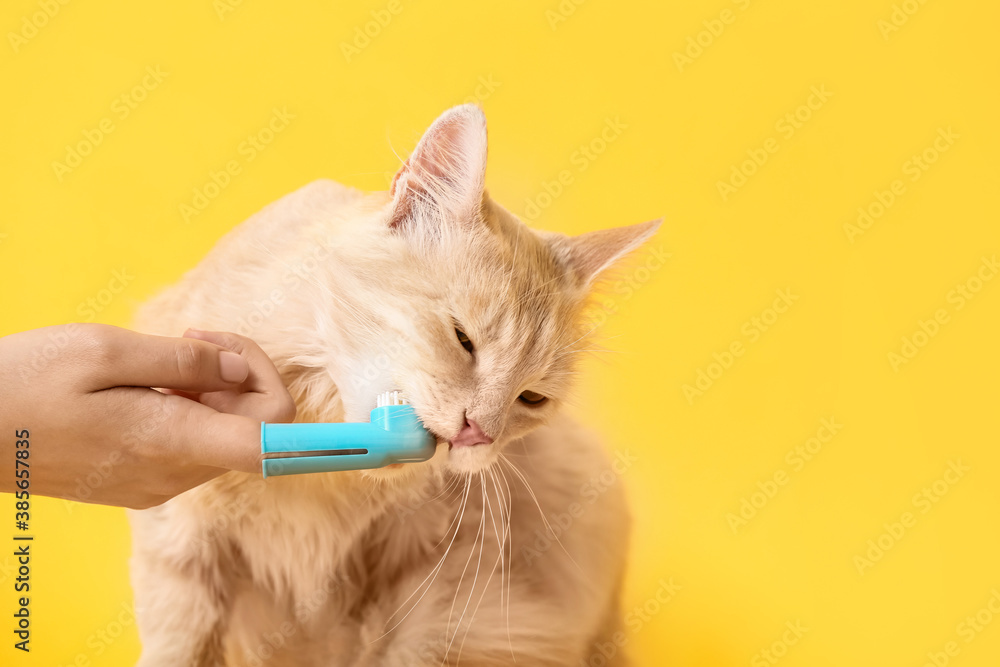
(470, 435)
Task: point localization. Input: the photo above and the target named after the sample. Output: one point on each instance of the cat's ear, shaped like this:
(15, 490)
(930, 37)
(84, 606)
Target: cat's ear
(588, 255)
(447, 171)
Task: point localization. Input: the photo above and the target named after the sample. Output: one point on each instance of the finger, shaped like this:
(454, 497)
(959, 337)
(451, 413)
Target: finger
(128, 358)
(232, 442)
(263, 394)
(263, 375)
(200, 435)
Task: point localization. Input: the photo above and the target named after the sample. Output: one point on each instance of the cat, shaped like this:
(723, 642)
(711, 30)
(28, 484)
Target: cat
(499, 549)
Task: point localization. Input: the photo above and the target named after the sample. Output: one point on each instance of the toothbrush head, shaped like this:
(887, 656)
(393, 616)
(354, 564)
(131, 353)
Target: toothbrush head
(387, 398)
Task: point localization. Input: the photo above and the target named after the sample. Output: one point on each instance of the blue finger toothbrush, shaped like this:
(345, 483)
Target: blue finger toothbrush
(394, 435)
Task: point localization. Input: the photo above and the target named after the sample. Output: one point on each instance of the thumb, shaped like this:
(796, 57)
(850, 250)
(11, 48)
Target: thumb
(127, 358)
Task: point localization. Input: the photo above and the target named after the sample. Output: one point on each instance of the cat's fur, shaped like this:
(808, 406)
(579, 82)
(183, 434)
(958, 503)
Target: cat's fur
(351, 295)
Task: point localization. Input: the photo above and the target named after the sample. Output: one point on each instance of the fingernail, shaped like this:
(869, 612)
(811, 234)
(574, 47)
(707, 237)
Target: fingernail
(232, 367)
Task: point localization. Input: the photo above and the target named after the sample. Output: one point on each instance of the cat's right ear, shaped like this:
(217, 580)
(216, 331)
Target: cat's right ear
(591, 254)
(444, 180)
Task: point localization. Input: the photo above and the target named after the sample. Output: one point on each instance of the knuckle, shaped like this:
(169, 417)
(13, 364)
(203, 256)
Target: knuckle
(230, 341)
(97, 341)
(189, 358)
(242, 342)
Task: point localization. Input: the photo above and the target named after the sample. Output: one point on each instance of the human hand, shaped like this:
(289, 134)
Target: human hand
(90, 407)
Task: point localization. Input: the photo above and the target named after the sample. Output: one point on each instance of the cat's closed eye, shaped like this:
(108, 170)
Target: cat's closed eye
(532, 398)
(464, 340)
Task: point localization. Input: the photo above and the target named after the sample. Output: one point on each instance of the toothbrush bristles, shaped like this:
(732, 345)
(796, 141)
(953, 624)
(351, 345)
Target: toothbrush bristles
(387, 398)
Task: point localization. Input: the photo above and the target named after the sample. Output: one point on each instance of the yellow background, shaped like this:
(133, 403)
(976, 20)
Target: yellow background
(553, 86)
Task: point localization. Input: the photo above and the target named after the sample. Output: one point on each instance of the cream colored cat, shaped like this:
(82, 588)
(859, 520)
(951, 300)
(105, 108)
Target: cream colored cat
(500, 549)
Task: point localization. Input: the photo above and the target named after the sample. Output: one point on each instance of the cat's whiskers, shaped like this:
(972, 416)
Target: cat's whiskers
(455, 484)
(432, 575)
(541, 514)
(510, 553)
(481, 530)
(501, 538)
(498, 561)
(506, 502)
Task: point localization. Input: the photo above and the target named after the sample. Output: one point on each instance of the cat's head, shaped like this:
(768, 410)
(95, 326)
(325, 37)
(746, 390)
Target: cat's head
(474, 316)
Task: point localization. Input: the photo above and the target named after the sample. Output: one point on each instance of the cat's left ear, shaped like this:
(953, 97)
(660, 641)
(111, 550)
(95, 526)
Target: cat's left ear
(446, 173)
(589, 255)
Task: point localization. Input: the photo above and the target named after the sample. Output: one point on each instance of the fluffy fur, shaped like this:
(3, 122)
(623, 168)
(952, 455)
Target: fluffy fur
(452, 561)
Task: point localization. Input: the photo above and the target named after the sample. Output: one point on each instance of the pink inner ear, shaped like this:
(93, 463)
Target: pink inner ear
(422, 171)
(447, 166)
(445, 156)
(440, 155)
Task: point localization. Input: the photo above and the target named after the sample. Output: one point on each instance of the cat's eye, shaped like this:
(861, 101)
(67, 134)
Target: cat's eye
(532, 398)
(464, 340)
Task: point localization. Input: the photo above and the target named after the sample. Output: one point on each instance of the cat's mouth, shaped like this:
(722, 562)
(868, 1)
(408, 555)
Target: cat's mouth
(453, 443)
(442, 440)
(439, 439)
